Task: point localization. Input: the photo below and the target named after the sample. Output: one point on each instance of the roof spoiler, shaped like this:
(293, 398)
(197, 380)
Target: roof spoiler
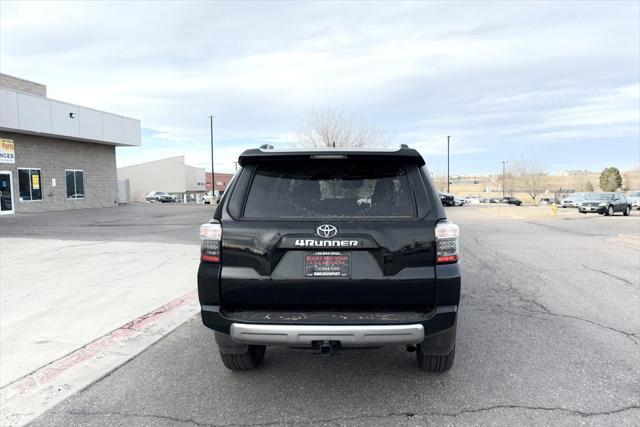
(267, 151)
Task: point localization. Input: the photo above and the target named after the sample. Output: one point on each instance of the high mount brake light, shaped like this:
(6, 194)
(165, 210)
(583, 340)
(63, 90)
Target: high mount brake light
(328, 156)
(447, 234)
(210, 236)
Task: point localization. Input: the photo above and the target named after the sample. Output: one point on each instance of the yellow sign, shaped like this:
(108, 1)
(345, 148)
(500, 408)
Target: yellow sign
(35, 182)
(7, 151)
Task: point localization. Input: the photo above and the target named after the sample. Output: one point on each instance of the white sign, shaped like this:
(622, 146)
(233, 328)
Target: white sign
(7, 151)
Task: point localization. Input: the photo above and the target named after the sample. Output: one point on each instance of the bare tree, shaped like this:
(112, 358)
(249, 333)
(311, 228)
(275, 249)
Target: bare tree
(328, 127)
(530, 176)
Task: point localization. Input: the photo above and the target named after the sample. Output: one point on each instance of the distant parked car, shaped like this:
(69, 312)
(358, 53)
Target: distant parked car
(208, 198)
(472, 200)
(634, 197)
(458, 201)
(447, 199)
(574, 200)
(511, 201)
(494, 200)
(606, 204)
(546, 201)
(160, 196)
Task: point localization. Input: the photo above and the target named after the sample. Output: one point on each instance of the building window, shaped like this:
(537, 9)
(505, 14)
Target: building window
(75, 184)
(30, 184)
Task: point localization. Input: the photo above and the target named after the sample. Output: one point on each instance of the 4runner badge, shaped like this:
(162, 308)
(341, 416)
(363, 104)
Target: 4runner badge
(312, 243)
(326, 231)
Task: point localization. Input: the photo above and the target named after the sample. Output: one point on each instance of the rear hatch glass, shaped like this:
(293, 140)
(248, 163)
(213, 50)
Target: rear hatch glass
(337, 188)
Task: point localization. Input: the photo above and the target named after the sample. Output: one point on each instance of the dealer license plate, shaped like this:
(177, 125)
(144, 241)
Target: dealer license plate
(327, 264)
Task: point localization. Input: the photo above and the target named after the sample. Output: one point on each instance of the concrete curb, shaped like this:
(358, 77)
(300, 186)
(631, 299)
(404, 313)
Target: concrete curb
(27, 398)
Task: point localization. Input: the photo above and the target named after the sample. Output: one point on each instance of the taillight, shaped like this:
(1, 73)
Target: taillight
(211, 236)
(447, 234)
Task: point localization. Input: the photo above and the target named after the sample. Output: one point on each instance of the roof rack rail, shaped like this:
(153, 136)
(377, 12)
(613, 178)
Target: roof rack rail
(266, 147)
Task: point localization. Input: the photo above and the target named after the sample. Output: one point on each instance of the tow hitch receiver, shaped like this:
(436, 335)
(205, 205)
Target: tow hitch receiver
(326, 348)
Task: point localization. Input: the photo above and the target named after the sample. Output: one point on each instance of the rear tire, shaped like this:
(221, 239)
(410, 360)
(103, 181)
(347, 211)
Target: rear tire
(627, 211)
(429, 363)
(246, 361)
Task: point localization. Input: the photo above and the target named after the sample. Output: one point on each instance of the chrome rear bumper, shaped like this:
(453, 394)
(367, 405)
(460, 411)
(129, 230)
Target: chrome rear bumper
(347, 335)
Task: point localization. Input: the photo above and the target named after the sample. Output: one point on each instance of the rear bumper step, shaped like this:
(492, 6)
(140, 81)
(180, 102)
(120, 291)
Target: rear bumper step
(306, 335)
(436, 331)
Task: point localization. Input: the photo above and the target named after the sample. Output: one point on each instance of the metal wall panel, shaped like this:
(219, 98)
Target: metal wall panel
(8, 109)
(61, 121)
(90, 123)
(112, 128)
(123, 191)
(24, 113)
(34, 113)
(131, 129)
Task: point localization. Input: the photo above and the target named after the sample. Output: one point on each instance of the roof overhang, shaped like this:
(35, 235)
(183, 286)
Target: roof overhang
(29, 114)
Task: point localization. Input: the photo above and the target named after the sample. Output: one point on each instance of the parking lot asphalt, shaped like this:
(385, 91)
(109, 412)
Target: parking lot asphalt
(137, 222)
(548, 334)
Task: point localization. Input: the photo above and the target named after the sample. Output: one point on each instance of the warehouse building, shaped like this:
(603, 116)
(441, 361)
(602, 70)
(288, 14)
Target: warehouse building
(169, 175)
(55, 155)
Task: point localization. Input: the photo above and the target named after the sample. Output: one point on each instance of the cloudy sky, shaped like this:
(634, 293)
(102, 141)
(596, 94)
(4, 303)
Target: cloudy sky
(555, 82)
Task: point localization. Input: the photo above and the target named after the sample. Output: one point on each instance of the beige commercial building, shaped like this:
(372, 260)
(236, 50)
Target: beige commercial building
(169, 175)
(55, 155)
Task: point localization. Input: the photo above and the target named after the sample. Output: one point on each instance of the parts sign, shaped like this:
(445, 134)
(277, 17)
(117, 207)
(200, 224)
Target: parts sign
(7, 151)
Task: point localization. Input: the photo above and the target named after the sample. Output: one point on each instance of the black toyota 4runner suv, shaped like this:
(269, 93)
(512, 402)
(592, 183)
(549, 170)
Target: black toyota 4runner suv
(330, 250)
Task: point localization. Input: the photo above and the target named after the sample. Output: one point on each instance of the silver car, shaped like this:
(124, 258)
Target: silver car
(160, 197)
(574, 200)
(634, 197)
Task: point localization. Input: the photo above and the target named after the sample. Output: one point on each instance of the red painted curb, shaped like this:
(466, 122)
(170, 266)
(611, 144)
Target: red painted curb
(45, 374)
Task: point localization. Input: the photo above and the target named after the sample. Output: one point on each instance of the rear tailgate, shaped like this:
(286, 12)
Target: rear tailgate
(383, 265)
(275, 252)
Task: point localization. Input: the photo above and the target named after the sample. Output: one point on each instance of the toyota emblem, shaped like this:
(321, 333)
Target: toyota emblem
(326, 231)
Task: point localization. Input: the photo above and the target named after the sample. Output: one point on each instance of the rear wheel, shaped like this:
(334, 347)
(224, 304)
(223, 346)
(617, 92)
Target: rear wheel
(429, 363)
(246, 361)
(610, 211)
(627, 211)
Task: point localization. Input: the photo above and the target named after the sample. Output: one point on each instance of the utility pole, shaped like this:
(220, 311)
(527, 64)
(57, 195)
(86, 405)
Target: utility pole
(213, 181)
(448, 179)
(504, 162)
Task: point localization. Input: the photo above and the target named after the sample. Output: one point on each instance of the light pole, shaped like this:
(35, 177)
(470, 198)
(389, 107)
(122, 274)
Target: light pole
(504, 162)
(448, 179)
(213, 185)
